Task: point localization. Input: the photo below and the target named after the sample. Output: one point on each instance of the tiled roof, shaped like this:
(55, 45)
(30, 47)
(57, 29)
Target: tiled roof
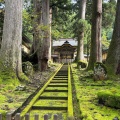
(60, 42)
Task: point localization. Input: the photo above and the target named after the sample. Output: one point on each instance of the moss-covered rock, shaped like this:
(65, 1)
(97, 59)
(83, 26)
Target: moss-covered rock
(100, 71)
(27, 68)
(23, 78)
(109, 98)
(82, 64)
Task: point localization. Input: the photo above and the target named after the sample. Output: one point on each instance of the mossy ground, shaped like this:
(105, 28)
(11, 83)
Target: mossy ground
(8, 84)
(86, 92)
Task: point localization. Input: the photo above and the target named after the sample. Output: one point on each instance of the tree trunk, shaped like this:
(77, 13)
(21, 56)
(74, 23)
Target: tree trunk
(41, 44)
(80, 47)
(113, 58)
(37, 32)
(96, 48)
(50, 21)
(10, 54)
(45, 42)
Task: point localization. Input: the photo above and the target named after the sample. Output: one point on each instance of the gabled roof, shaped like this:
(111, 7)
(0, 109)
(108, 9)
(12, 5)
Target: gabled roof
(61, 41)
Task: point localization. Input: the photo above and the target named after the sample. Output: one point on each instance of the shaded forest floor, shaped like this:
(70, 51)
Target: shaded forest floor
(86, 90)
(13, 95)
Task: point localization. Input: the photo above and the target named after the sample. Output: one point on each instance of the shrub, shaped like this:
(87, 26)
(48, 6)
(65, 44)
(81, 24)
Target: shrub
(109, 98)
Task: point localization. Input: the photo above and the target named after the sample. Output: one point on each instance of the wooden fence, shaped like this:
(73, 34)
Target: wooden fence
(27, 117)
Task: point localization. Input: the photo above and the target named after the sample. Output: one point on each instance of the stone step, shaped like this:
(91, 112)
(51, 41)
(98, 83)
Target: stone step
(58, 85)
(55, 94)
(59, 81)
(48, 108)
(56, 88)
(50, 104)
(53, 98)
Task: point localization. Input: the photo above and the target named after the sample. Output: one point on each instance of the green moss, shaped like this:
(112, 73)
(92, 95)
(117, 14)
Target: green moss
(8, 77)
(86, 92)
(2, 98)
(23, 77)
(82, 64)
(102, 65)
(109, 98)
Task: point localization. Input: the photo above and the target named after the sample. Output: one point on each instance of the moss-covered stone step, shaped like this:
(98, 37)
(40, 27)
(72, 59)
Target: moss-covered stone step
(51, 104)
(59, 81)
(58, 85)
(56, 88)
(55, 94)
(61, 114)
(63, 76)
(62, 72)
(48, 108)
(54, 98)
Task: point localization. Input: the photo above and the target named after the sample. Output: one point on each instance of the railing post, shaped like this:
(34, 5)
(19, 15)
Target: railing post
(46, 117)
(55, 117)
(27, 116)
(8, 116)
(36, 117)
(0, 116)
(17, 116)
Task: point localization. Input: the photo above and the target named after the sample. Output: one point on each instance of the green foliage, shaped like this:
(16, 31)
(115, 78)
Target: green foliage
(109, 98)
(61, 19)
(80, 25)
(109, 11)
(105, 42)
(27, 24)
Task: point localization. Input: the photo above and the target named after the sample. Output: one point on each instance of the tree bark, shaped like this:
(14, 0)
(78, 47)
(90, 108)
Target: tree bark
(50, 22)
(37, 32)
(80, 47)
(113, 57)
(43, 54)
(41, 44)
(96, 47)
(12, 36)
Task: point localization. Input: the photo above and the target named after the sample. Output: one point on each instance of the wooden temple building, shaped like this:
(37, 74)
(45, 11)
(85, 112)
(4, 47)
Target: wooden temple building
(64, 50)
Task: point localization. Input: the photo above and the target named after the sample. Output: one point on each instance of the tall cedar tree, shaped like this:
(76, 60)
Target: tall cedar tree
(96, 48)
(41, 38)
(45, 43)
(10, 53)
(113, 58)
(80, 47)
